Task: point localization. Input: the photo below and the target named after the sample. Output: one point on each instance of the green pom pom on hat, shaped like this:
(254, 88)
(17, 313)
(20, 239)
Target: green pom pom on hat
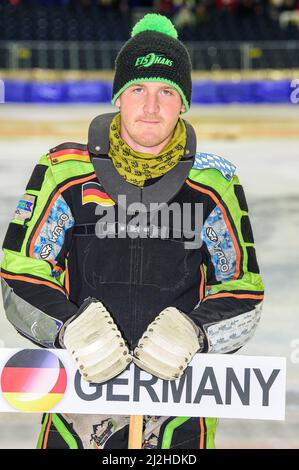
(155, 22)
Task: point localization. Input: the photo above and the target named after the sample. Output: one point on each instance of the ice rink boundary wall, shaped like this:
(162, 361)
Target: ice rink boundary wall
(261, 87)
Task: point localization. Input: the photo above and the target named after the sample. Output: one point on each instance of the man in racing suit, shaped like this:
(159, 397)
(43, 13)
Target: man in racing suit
(71, 277)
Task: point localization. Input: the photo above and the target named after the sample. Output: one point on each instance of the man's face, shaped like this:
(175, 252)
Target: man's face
(149, 112)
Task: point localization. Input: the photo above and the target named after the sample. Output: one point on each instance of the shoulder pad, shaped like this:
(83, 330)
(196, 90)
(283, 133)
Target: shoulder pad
(69, 151)
(203, 161)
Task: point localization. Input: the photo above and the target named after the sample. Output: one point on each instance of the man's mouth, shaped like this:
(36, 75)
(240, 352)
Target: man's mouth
(149, 122)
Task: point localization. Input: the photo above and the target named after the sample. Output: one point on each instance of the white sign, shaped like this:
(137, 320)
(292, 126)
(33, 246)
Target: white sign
(214, 385)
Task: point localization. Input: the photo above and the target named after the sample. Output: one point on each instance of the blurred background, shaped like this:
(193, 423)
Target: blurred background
(56, 68)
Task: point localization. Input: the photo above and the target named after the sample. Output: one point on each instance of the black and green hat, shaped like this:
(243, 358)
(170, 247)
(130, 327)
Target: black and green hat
(154, 53)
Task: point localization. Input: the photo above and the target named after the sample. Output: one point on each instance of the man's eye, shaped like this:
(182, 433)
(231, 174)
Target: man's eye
(167, 92)
(137, 90)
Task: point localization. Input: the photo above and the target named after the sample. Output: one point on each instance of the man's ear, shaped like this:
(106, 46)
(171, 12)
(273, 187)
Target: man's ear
(183, 108)
(117, 102)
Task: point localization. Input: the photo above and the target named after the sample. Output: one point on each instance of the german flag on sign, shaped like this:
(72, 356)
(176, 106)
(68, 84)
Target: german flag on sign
(33, 380)
(93, 192)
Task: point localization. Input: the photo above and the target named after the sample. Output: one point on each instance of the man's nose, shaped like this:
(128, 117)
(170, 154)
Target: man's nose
(151, 104)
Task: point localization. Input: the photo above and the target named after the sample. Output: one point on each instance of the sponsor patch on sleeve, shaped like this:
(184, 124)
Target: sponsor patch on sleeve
(25, 207)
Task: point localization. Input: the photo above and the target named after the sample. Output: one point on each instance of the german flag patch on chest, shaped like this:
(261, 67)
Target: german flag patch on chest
(94, 192)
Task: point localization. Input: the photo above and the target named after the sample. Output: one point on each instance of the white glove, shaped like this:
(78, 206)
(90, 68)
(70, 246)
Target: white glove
(168, 345)
(96, 344)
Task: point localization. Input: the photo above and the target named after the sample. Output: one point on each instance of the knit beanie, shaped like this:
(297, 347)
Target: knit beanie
(153, 53)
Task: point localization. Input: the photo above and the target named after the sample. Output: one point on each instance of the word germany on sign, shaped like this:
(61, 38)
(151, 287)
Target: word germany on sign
(214, 385)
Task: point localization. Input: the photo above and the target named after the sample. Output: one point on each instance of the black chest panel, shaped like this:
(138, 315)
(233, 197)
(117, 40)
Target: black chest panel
(136, 266)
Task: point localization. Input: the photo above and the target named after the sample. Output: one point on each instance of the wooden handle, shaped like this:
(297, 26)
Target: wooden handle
(135, 432)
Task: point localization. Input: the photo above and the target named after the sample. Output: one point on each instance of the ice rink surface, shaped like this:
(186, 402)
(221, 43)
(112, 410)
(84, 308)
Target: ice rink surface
(263, 141)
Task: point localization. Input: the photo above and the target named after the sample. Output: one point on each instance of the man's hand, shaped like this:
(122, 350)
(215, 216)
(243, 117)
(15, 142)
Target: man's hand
(168, 345)
(96, 344)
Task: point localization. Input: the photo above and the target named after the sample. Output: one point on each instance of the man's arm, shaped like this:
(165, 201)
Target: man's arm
(35, 248)
(34, 288)
(231, 290)
(230, 310)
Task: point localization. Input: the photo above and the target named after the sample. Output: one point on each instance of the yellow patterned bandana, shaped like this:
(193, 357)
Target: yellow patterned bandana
(136, 167)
